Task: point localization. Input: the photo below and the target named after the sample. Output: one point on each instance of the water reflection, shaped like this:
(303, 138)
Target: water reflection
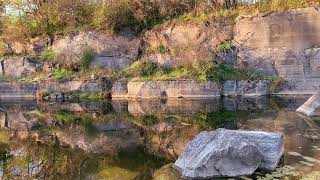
(134, 139)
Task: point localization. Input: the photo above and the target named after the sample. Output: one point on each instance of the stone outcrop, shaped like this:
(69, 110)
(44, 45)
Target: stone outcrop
(112, 51)
(17, 67)
(189, 89)
(246, 88)
(283, 44)
(173, 89)
(65, 90)
(230, 153)
(175, 44)
(305, 86)
(18, 90)
(311, 105)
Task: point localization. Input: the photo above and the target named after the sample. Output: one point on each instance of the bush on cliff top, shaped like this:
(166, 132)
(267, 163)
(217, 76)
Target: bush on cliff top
(30, 18)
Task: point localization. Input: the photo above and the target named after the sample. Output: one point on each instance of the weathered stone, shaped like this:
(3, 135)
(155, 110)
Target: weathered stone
(114, 63)
(18, 90)
(175, 44)
(112, 51)
(246, 88)
(299, 86)
(311, 105)
(17, 67)
(173, 89)
(109, 139)
(230, 153)
(278, 43)
(119, 89)
(74, 85)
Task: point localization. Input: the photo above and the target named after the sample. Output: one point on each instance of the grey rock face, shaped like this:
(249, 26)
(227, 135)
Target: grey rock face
(246, 88)
(281, 44)
(311, 105)
(185, 43)
(230, 153)
(18, 90)
(173, 89)
(17, 67)
(112, 51)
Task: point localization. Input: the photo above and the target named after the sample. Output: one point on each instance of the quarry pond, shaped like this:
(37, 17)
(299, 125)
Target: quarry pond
(140, 139)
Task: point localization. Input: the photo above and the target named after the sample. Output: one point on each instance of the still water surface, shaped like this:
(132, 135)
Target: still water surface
(139, 139)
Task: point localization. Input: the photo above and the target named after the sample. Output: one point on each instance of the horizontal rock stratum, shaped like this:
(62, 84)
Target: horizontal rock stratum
(138, 90)
(284, 44)
(230, 153)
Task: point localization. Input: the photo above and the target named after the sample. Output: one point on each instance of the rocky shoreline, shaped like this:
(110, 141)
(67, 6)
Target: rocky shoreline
(135, 90)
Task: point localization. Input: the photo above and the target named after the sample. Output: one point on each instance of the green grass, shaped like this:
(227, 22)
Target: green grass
(91, 96)
(225, 46)
(202, 71)
(48, 54)
(86, 59)
(62, 74)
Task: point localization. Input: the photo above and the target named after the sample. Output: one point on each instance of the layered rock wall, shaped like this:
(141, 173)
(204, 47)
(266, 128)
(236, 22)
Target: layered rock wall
(283, 44)
(111, 51)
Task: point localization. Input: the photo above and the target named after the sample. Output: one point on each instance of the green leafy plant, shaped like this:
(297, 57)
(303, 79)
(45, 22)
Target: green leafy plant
(62, 74)
(86, 59)
(227, 45)
(48, 54)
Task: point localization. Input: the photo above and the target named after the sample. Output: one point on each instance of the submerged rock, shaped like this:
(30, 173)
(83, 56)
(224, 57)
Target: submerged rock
(230, 153)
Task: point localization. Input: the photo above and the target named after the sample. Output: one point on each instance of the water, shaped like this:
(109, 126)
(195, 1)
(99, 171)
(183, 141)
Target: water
(140, 139)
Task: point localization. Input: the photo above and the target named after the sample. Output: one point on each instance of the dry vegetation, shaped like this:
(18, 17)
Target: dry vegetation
(31, 18)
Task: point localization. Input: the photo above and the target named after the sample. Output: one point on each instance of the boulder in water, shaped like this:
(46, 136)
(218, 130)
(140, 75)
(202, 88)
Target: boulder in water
(230, 153)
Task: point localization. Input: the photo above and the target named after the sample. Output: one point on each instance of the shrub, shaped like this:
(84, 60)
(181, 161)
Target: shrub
(225, 46)
(3, 48)
(92, 96)
(277, 84)
(140, 69)
(112, 14)
(86, 59)
(62, 74)
(66, 117)
(42, 94)
(48, 54)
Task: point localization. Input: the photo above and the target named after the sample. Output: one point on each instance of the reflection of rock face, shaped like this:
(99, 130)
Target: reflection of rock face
(172, 106)
(108, 138)
(246, 104)
(169, 140)
(299, 134)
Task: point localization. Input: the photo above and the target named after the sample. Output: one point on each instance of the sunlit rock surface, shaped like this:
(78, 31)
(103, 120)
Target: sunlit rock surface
(18, 90)
(311, 105)
(112, 51)
(173, 89)
(17, 66)
(281, 43)
(230, 153)
(174, 44)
